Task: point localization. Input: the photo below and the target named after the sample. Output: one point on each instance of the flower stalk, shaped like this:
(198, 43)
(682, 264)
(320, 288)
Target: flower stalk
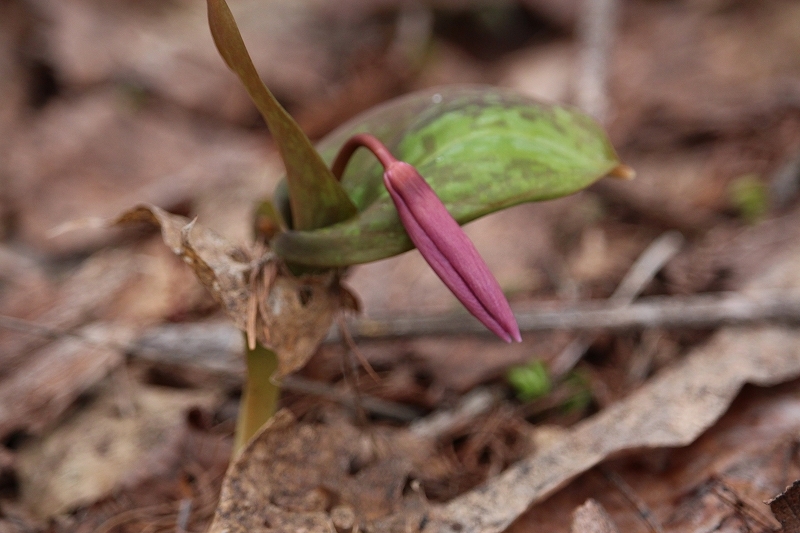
(259, 397)
(439, 238)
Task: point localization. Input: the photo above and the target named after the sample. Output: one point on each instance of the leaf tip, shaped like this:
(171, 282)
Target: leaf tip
(623, 172)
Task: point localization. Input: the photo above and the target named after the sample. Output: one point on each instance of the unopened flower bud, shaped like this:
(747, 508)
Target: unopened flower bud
(439, 238)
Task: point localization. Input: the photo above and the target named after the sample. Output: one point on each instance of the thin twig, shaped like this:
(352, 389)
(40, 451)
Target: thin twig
(350, 375)
(374, 405)
(32, 328)
(135, 514)
(597, 27)
(184, 512)
(729, 496)
(637, 278)
(183, 335)
(646, 267)
(472, 405)
(353, 347)
(695, 311)
(627, 491)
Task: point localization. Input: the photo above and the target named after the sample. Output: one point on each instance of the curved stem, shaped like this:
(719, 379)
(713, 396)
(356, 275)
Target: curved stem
(354, 143)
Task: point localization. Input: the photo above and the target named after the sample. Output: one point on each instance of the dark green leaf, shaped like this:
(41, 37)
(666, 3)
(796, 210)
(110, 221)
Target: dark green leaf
(482, 149)
(317, 199)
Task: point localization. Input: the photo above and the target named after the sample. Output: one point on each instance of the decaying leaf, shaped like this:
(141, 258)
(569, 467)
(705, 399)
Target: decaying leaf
(220, 266)
(302, 477)
(100, 449)
(294, 315)
(786, 508)
(54, 376)
(717, 483)
(671, 410)
(81, 297)
(299, 313)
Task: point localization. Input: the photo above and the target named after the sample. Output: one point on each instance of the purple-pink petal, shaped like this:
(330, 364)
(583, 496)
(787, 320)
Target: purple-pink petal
(448, 250)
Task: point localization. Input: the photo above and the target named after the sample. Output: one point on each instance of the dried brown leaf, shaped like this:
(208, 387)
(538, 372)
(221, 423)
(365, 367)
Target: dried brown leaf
(116, 154)
(718, 483)
(302, 477)
(82, 297)
(786, 508)
(300, 314)
(671, 410)
(221, 267)
(100, 449)
(53, 377)
(294, 313)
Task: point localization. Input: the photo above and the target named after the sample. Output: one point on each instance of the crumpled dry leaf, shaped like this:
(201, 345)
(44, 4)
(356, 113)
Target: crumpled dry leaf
(671, 410)
(292, 314)
(44, 388)
(77, 300)
(314, 478)
(116, 153)
(301, 48)
(221, 267)
(786, 508)
(718, 483)
(101, 449)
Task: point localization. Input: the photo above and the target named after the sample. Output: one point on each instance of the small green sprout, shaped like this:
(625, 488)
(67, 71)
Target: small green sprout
(530, 381)
(581, 393)
(750, 197)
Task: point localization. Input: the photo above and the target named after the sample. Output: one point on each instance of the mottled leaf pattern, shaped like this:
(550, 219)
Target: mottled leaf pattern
(481, 149)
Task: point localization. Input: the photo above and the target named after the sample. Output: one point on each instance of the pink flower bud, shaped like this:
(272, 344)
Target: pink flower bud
(448, 250)
(439, 238)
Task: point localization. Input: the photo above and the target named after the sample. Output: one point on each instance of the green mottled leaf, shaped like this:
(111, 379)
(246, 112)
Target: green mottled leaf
(482, 149)
(317, 199)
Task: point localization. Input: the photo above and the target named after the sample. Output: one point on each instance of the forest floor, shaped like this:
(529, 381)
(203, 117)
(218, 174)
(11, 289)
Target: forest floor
(671, 403)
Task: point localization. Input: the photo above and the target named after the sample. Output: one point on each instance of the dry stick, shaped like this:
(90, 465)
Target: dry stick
(472, 405)
(730, 497)
(696, 311)
(32, 328)
(353, 347)
(597, 27)
(639, 275)
(627, 491)
(184, 512)
(374, 405)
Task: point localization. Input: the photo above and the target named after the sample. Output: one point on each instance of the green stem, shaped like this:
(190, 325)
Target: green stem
(259, 397)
